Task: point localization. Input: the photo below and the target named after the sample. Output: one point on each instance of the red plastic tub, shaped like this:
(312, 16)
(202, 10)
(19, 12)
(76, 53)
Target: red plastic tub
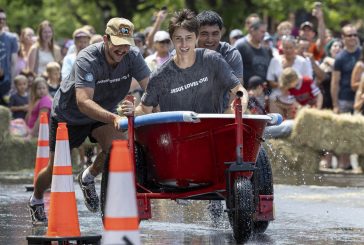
(188, 154)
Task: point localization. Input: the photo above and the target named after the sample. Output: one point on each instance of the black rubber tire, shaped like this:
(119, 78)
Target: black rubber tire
(264, 184)
(264, 173)
(260, 226)
(242, 214)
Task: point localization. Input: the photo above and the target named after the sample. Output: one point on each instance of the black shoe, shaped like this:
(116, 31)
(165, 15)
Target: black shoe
(37, 214)
(89, 194)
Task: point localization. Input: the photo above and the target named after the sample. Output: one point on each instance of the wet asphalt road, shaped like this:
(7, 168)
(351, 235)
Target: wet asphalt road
(325, 210)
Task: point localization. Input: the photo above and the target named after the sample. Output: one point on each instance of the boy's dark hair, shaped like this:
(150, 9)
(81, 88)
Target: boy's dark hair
(210, 18)
(184, 19)
(255, 81)
(2, 10)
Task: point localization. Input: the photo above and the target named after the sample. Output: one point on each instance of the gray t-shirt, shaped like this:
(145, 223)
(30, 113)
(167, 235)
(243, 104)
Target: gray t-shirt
(232, 57)
(110, 84)
(198, 88)
(255, 60)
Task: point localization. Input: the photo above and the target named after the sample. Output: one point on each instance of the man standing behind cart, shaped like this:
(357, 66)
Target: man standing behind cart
(209, 37)
(193, 79)
(87, 100)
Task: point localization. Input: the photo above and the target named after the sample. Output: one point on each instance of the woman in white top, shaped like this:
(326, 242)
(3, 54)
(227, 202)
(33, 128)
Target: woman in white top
(44, 50)
(289, 58)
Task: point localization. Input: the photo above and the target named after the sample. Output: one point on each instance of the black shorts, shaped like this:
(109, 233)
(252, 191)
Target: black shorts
(76, 133)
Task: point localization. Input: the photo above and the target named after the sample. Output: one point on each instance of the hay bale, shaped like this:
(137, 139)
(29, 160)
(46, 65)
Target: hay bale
(289, 159)
(17, 154)
(324, 130)
(5, 117)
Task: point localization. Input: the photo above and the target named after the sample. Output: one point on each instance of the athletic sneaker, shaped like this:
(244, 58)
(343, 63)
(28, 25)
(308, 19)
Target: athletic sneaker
(37, 214)
(89, 194)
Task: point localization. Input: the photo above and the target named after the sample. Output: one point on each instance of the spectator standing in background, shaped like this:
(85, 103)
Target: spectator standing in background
(81, 38)
(255, 56)
(162, 44)
(44, 50)
(256, 103)
(139, 40)
(54, 77)
(159, 19)
(341, 91)
(248, 21)
(234, 36)
(327, 66)
(26, 41)
(19, 100)
(283, 29)
(307, 32)
(40, 101)
(289, 58)
(8, 59)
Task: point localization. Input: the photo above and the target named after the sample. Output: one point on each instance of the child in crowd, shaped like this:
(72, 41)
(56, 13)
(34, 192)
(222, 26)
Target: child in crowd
(303, 88)
(40, 101)
(54, 77)
(19, 100)
(281, 101)
(256, 103)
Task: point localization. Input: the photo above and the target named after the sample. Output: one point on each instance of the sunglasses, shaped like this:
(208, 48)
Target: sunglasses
(1, 18)
(350, 35)
(165, 42)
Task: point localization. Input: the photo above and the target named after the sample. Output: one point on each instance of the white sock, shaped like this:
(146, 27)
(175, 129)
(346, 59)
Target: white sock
(35, 201)
(87, 177)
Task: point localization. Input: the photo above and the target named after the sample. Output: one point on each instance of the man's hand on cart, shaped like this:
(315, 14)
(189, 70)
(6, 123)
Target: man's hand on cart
(127, 107)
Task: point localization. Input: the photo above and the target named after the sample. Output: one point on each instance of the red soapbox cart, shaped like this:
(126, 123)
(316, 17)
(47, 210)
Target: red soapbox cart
(185, 155)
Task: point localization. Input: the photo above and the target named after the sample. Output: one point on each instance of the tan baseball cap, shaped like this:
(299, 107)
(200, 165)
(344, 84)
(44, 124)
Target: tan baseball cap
(120, 31)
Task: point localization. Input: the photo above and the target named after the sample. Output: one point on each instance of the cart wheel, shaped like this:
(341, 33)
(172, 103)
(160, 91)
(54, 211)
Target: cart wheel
(264, 173)
(241, 215)
(264, 183)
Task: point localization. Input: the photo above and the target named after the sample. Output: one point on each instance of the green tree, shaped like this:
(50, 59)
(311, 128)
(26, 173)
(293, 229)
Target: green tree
(66, 15)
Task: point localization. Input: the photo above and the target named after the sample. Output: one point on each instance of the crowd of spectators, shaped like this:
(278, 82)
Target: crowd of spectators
(295, 67)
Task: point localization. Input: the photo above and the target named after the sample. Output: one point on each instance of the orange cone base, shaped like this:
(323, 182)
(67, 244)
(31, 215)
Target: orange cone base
(66, 207)
(86, 239)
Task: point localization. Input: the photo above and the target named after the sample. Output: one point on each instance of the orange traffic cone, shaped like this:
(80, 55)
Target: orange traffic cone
(121, 222)
(63, 216)
(42, 158)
